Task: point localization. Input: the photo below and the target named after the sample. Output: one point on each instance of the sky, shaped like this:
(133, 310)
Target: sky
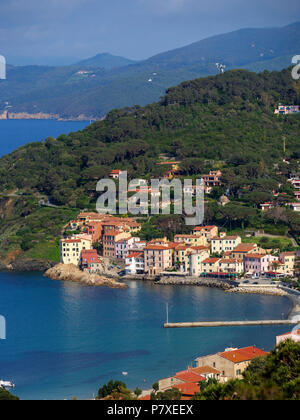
(65, 31)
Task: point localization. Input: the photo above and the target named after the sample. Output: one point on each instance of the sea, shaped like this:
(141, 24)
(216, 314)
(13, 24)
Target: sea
(66, 340)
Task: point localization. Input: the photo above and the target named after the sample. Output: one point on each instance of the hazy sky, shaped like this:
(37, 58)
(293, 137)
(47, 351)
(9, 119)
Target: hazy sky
(66, 30)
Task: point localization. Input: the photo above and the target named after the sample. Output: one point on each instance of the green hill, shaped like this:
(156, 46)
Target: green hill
(225, 121)
(92, 92)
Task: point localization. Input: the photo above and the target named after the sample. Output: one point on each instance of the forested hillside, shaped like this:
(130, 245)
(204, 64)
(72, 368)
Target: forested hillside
(223, 122)
(93, 87)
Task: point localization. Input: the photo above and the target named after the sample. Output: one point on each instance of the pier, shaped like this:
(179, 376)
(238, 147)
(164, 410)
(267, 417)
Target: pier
(228, 324)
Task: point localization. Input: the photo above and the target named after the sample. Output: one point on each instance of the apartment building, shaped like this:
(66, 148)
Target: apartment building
(210, 265)
(259, 264)
(196, 258)
(71, 249)
(231, 266)
(91, 262)
(225, 244)
(124, 246)
(109, 242)
(158, 258)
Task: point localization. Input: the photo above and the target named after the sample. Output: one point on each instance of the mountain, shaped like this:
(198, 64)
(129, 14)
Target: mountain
(225, 121)
(106, 61)
(90, 92)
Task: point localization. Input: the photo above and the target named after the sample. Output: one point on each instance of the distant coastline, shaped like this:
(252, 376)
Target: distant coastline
(6, 115)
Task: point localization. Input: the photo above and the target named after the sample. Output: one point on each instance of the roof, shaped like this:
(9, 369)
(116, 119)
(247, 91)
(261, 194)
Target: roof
(229, 261)
(205, 370)
(288, 254)
(211, 260)
(243, 355)
(256, 256)
(200, 228)
(244, 248)
(225, 238)
(189, 376)
(158, 248)
(187, 236)
(200, 248)
(188, 388)
(136, 255)
(116, 171)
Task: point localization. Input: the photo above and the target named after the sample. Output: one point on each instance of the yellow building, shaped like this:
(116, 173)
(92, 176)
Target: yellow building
(71, 248)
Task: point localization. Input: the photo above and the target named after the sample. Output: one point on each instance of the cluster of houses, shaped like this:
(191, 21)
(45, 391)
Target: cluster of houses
(222, 367)
(204, 252)
(287, 109)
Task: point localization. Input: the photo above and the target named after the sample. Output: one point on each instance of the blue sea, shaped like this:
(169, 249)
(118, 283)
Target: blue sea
(66, 340)
(16, 133)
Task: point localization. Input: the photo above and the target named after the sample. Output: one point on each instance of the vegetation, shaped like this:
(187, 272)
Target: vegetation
(115, 390)
(61, 90)
(223, 122)
(275, 377)
(7, 396)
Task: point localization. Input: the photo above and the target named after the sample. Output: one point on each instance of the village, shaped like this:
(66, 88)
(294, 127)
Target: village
(205, 252)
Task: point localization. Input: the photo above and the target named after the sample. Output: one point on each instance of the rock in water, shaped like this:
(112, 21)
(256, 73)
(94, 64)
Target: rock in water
(70, 272)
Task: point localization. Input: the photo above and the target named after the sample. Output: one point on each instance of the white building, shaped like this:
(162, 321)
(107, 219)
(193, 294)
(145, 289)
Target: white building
(225, 244)
(135, 263)
(294, 336)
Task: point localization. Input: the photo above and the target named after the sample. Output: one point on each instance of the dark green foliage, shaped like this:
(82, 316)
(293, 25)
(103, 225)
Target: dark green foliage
(7, 396)
(110, 388)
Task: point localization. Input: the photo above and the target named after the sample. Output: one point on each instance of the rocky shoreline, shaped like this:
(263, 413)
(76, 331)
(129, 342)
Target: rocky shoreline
(26, 265)
(259, 291)
(190, 281)
(69, 272)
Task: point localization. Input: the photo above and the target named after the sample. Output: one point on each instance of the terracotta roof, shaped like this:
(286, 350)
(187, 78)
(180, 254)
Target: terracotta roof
(229, 261)
(211, 260)
(158, 248)
(288, 254)
(225, 238)
(206, 369)
(146, 398)
(200, 248)
(243, 355)
(136, 255)
(200, 228)
(188, 388)
(256, 256)
(244, 248)
(116, 171)
(189, 376)
(71, 241)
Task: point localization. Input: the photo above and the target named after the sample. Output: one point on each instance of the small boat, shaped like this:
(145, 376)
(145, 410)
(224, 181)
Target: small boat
(6, 384)
(124, 373)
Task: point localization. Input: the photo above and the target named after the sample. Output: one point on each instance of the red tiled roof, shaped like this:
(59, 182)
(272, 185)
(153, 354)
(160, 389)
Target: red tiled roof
(136, 255)
(211, 260)
(200, 228)
(206, 370)
(157, 248)
(189, 376)
(188, 388)
(256, 256)
(243, 355)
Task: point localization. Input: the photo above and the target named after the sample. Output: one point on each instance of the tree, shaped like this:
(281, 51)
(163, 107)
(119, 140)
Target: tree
(138, 392)
(155, 387)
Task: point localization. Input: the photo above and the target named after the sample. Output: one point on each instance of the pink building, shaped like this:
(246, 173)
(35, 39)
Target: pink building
(258, 264)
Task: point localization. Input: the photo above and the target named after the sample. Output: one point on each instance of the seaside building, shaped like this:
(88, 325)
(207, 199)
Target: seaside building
(158, 258)
(124, 246)
(71, 248)
(241, 250)
(135, 263)
(233, 362)
(259, 264)
(91, 262)
(196, 258)
(110, 238)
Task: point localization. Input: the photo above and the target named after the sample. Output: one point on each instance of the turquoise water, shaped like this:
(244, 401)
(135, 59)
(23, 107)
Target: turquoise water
(16, 133)
(66, 340)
